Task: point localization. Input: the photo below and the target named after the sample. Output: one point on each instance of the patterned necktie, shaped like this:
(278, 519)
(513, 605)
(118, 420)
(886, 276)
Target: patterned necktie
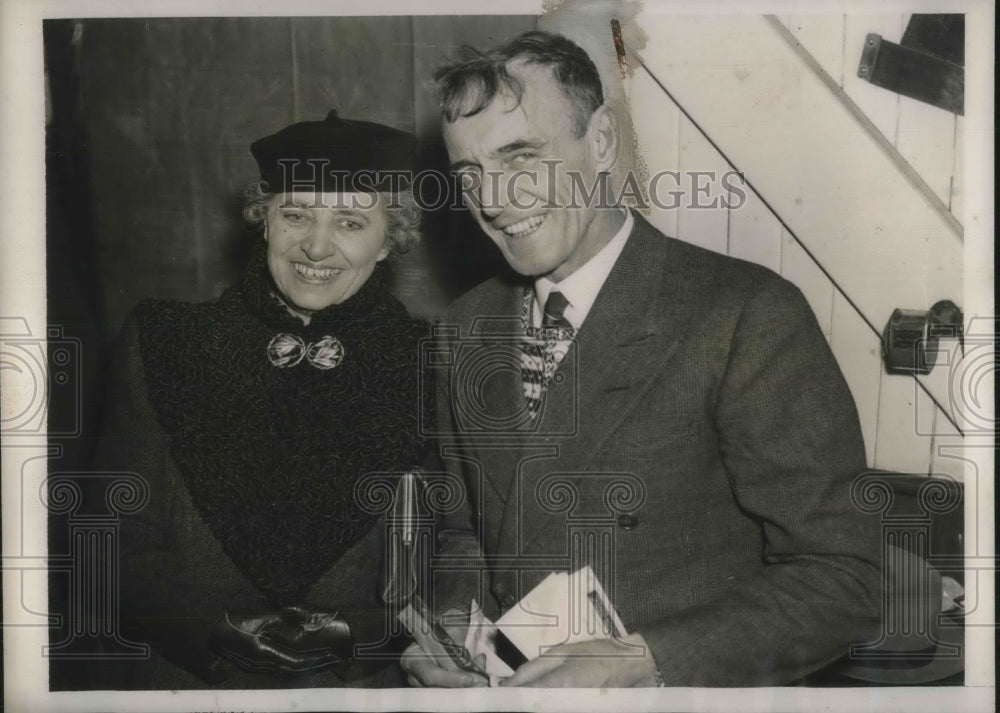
(538, 362)
(554, 314)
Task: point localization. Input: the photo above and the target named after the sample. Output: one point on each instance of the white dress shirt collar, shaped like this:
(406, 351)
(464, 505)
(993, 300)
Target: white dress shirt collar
(581, 288)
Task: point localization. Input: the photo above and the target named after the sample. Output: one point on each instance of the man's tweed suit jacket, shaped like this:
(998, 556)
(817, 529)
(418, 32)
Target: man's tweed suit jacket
(696, 447)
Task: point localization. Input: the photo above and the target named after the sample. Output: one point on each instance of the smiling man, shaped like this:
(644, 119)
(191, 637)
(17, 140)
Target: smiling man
(686, 402)
(526, 163)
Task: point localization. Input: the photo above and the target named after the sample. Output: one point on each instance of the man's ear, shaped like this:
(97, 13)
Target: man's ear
(603, 134)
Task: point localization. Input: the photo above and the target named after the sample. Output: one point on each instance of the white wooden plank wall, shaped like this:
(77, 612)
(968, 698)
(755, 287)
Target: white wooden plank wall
(662, 121)
(755, 234)
(926, 136)
(945, 440)
(911, 433)
(903, 429)
(698, 162)
(800, 269)
(859, 356)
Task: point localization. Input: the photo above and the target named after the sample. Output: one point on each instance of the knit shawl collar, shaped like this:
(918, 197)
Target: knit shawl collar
(270, 456)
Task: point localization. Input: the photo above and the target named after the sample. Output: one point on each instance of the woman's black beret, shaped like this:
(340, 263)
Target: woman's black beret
(336, 156)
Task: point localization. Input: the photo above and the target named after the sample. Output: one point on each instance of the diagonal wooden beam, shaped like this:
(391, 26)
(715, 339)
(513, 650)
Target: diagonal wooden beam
(891, 152)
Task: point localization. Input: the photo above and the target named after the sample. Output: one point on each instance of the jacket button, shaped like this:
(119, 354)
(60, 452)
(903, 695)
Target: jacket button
(628, 522)
(508, 601)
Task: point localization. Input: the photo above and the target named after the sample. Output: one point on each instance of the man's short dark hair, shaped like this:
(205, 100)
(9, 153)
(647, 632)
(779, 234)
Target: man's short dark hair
(467, 86)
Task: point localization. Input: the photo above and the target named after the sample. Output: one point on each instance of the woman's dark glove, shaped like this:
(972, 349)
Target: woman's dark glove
(293, 642)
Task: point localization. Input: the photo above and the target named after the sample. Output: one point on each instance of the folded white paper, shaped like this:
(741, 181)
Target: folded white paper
(563, 609)
(481, 639)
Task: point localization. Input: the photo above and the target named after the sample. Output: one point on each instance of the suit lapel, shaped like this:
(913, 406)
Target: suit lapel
(493, 379)
(632, 331)
(633, 328)
(487, 383)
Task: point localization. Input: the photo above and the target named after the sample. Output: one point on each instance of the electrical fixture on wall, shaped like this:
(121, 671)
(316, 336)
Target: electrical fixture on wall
(910, 339)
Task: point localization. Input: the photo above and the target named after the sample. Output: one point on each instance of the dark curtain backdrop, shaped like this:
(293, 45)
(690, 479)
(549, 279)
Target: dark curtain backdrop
(149, 128)
(170, 106)
(149, 124)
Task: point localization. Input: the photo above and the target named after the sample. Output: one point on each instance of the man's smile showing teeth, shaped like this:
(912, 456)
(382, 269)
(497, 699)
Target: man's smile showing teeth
(525, 226)
(311, 273)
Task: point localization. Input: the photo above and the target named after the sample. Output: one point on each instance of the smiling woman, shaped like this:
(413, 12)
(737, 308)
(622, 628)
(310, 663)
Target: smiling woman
(321, 248)
(252, 418)
(396, 214)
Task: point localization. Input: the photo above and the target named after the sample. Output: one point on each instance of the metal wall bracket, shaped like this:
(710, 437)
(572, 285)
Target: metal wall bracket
(926, 66)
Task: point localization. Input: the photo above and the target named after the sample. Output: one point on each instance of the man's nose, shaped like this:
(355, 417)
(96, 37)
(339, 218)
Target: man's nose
(493, 193)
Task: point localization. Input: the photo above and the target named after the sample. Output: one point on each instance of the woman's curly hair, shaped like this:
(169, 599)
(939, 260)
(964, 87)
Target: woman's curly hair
(401, 210)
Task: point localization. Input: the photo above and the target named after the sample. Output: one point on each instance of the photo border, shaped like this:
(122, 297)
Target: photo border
(22, 257)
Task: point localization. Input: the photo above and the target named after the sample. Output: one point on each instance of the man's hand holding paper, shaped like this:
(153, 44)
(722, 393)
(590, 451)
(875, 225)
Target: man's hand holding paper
(431, 668)
(564, 633)
(589, 664)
